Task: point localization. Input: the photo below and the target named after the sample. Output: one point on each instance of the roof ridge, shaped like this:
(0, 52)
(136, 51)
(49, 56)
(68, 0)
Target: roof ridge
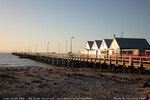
(129, 38)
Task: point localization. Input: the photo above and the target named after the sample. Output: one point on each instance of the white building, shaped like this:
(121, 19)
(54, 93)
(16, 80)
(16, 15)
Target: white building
(129, 46)
(88, 47)
(104, 48)
(95, 52)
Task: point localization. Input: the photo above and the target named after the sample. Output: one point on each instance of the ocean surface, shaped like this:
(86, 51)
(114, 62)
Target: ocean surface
(9, 60)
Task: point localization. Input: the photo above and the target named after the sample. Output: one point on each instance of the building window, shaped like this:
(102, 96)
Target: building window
(124, 52)
(130, 52)
(141, 52)
(112, 52)
(103, 52)
(147, 52)
(117, 52)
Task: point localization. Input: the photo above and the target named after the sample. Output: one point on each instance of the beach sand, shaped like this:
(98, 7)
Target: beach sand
(62, 82)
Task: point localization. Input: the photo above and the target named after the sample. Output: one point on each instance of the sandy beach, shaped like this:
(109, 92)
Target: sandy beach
(63, 83)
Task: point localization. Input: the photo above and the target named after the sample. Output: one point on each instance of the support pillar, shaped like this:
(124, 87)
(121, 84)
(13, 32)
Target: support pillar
(72, 63)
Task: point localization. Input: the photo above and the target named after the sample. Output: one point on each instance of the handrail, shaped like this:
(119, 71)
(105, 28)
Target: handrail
(112, 57)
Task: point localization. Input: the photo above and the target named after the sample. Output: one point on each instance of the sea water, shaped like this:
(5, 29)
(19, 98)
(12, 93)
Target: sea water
(9, 60)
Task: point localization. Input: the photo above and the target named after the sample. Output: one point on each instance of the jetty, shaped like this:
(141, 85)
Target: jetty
(110, 63)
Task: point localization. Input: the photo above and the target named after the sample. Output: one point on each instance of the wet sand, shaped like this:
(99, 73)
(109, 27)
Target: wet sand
(62, 82)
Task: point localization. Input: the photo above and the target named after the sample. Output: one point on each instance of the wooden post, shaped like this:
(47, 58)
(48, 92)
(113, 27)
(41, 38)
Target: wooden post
(95, 60)
(109, 63)
(110, 60)
(99, 61)
(57, 61)
(54, 61)
(84, 64)
(141, 66)
(50, 60)
(131, 62)
(124, 70)
(83, 59)
(123, 61)
(64, 62)
(87, 58)
(94, 64)
(104, 60)
(60, 61)
(116, 61)
(100, 67)
(90, 59)
(80, 59)
(87, 63)
(47, 60)
(113, 68)
(129, 69)
(72, 63)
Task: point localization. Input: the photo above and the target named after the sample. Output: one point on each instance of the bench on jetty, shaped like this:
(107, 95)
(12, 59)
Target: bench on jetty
(122, 64)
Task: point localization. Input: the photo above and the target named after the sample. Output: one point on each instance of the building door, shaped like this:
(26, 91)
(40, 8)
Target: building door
(96, 53)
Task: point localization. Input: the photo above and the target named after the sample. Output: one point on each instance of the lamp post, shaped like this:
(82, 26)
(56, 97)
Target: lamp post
(59, 48)
(29, 49)
(36, 48)
(66, 46)
(48, 47)
(71, 44)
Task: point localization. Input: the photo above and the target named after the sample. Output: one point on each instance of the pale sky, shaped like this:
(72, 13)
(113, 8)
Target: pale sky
(26, 23)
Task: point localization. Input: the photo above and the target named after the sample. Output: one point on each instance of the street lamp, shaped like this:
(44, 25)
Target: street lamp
(29, 49)
(71, 44)
(59, 48)
(36, 48)
(66, 46)
(48, 47)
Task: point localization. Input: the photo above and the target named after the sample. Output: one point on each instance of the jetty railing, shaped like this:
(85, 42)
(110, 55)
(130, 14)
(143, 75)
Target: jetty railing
(125, 62)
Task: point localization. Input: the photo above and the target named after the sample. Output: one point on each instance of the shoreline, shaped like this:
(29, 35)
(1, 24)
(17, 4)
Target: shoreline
(60, 82)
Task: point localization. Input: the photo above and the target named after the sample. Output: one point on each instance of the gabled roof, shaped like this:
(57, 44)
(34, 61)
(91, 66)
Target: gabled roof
(132, 43)
(108, 42)
(98, 43)
(90, 43)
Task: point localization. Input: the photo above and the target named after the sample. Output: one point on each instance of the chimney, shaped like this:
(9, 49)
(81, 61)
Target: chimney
(114, 35)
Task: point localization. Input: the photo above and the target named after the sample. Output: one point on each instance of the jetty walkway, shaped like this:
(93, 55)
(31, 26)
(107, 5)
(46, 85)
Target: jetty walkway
(115, 63)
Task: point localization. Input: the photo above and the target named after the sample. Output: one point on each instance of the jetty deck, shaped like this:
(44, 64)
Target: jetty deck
(121, 64)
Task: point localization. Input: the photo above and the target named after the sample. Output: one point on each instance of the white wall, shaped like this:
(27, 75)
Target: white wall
(103, 46)
(114, 46)
(99, 52)
(87, 46)
(94, 46)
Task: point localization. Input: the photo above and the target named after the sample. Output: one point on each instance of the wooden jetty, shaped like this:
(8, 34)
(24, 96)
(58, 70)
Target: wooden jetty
(121, 64)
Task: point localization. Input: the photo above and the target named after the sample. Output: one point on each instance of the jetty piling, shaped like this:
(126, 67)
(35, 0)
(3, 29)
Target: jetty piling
(112, 64)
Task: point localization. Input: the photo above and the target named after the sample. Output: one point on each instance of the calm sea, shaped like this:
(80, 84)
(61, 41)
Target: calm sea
(9, 60)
